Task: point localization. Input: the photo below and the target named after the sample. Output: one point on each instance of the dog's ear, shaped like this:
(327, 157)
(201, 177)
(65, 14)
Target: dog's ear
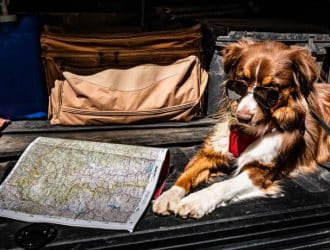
(305, 68)
(232, 52)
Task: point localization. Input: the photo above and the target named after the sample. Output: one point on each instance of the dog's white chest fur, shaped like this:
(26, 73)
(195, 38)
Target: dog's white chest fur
(264, 150)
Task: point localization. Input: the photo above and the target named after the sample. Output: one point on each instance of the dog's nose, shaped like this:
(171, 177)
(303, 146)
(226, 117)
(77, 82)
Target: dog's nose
(244, 115)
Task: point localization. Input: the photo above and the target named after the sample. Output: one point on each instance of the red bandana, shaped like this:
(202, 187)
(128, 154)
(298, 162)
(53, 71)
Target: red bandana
(238, 141)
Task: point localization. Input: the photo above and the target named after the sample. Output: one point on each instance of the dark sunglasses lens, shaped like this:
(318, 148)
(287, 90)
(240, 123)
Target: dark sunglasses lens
(272, 98)
(236, 89)
(266, 97)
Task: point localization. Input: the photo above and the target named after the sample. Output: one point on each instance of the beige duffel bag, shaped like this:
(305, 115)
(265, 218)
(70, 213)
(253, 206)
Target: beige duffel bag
(144, 93)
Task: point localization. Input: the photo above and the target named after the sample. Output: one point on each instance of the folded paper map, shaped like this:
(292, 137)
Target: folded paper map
(82, 183)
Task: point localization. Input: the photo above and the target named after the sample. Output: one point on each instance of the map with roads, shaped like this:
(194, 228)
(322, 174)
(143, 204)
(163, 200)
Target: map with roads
(82, 183)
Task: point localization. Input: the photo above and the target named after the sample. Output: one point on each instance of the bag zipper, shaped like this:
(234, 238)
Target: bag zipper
(97, 61)
(192, 32)
(128, 113)
(111, 53)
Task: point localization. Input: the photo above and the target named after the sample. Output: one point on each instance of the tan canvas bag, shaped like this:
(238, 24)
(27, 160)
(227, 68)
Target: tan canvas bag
(144, 93)
(91, 53)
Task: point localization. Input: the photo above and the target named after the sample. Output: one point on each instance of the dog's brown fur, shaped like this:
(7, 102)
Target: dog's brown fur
(294, 74)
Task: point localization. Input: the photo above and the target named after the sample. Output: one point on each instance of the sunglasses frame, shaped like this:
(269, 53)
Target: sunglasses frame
(267, 97)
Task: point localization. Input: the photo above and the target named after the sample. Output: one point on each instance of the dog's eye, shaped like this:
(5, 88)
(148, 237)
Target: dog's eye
(236, 89)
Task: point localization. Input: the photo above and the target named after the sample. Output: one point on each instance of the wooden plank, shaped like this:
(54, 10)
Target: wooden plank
(44, 126)
(14, 144)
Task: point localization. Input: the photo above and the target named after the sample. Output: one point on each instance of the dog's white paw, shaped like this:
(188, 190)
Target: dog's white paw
(168, 201)
(196, 205)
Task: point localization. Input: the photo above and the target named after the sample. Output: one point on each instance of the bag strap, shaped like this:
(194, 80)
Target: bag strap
(322, 123)
(326, 128)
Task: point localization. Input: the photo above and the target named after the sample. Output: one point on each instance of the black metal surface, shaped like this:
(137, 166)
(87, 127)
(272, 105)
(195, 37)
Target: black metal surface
(299, 218)
(35, 236)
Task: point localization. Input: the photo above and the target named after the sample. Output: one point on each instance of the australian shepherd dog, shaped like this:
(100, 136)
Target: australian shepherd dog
(275, 95)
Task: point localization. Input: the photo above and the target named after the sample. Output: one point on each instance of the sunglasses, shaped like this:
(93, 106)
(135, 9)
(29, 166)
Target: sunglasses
(266, 97)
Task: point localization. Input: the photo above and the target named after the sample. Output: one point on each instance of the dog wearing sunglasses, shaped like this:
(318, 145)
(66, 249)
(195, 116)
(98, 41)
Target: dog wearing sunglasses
(273, 90)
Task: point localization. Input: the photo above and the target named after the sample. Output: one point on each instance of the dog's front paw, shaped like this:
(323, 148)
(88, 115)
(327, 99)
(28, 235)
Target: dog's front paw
(196, 205)
(168, 201)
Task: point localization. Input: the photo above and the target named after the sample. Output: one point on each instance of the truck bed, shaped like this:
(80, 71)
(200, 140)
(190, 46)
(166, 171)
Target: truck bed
(299, 219)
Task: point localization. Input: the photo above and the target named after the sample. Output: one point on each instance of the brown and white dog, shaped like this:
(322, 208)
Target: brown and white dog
(275, 89)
